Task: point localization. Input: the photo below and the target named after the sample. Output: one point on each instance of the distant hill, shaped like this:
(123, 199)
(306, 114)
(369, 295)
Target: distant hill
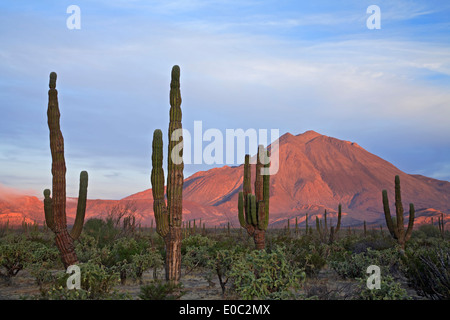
(316, 172)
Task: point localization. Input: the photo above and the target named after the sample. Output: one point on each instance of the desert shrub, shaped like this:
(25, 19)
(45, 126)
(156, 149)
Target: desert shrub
(214, 257)
(353, 265)
(103, 231)
(373, 243)
(17, 253)
(389, 290)
(196, 241)
(150, 259)
(161, 290)
(122, 253)
(306, 253)
(260, 274)
(196, 258)
(43, 260)
(221, 265)
(197, 252)
(87, 248)
(62, 293)
(96, 281)
(428, 271)
(426, 231)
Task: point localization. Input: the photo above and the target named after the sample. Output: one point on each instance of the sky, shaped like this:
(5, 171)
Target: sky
(287, 65)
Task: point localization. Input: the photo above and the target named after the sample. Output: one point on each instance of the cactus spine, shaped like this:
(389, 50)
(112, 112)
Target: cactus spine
(169, 217)
(55, 207)
(397, 231)
(254, 208)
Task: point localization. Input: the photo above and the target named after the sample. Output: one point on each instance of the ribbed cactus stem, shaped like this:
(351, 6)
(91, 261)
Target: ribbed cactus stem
(55, 207)
(319, 228)
(157, 180)
(397, 231)
(175, 164)
(338, 225)
(169, 217)
(48, 210)
(399, 209)
(81, 206)
(241, 211)
(253, 209)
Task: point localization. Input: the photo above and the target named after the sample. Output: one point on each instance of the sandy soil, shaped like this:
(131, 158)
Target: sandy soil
(326, 286)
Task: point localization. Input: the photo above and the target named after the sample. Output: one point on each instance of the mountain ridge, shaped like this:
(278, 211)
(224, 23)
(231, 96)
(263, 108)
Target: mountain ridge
(316, 172)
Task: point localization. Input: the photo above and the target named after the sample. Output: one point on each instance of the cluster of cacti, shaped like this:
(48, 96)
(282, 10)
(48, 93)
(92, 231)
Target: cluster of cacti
(397, 230)
(169, 217)
(55, 207)
(326, 234)
(254, 208)
(190, 227)
(129, 224)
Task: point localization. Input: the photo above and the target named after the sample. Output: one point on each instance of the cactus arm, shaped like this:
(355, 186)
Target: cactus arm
(338, 226)
(399, 209)
(318, 227)
(251, 202)
(266, 196)
(81, 206)
(259, 192)
(387, 215)
(242, 219)
(247, 188)
(175, 164)
(306, 223)
(48, 210)
(410, 222)
(157, 180)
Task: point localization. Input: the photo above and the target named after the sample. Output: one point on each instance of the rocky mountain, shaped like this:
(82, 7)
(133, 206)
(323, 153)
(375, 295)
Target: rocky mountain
(316, 173)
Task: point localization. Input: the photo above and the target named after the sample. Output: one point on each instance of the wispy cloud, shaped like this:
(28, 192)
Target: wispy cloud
(292, 67)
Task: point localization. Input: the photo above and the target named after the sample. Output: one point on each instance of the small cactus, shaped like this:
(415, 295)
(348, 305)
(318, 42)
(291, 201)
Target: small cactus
(397, 230)
(254, 208)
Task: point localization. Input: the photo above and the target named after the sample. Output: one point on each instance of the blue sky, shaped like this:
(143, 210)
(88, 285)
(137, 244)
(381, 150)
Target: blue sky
(291, 65)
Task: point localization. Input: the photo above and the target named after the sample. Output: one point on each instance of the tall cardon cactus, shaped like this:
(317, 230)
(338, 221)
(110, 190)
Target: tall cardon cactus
(254, 208)
(169, 217)
(397, 231)
(55, 207)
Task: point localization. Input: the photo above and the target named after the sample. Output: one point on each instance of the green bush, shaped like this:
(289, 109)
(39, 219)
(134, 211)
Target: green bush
(428, 271)
(150, 259)
(18, 253)
(104, 231)
(353, 265)
(161, 290)
(426, 231)
(260, 274)
(389, 290)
